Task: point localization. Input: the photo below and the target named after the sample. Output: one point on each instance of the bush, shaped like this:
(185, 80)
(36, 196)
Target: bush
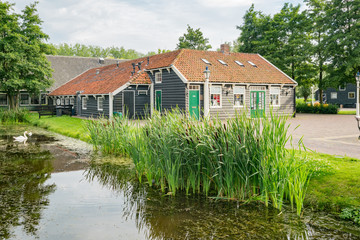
(14, 115)
(352, 214)
(317, 108)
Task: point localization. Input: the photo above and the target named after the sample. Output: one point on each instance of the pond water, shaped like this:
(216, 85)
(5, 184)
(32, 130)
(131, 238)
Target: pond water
(49, 189)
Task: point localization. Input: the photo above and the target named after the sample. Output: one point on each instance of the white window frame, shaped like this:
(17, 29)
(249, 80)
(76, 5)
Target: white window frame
(28, 99)
(102, 103)
(62, 101)
(84, 103)
(158, 77)
(239, 90)
(214, 91)
(342, 88)
(46, 99)
(333, 95)
(274, 91)
(34, 97)
(67, 101)
(349, 95)
(72, 101)
(142, 92)
(7, 101)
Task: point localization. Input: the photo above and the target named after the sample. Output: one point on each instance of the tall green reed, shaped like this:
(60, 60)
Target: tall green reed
(240, 158)
(14, 115)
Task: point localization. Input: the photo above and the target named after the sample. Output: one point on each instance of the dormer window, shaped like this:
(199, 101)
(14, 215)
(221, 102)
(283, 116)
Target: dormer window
(239, 63)
(158, 77)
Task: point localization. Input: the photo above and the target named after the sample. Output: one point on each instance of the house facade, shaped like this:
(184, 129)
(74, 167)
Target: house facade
(238, 82)
(65, 68)
(344, 95)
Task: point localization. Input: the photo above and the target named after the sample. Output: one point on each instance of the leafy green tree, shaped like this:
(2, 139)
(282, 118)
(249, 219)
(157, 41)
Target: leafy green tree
(343, 40)
(193, 39)
(23, 65)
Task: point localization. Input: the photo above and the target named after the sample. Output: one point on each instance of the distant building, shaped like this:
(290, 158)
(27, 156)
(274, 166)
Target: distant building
(344, 95)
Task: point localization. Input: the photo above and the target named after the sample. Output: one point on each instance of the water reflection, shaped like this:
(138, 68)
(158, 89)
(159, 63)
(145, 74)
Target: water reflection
(193, 217)
(23, 194)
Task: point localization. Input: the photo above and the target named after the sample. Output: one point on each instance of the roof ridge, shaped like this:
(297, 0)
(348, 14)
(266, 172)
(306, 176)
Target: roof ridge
(178, 56)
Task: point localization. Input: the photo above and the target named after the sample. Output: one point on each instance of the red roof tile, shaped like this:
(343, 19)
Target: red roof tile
(188, 62)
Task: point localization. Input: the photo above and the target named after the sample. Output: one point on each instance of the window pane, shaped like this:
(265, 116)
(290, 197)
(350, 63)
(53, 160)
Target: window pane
(238, 100)
(333, 95)
(24, 99)
(43, 99)
(215, 100)
(215, 89)
(72, 101)
(67, 101)
(351, 95)
(3, 99)
(275, 90)
(239, 90)
(35, 99)
(274, 99)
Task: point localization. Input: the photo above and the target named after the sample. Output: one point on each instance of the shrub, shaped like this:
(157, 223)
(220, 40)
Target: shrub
(352, 214)
(14, 115)
(317, 108)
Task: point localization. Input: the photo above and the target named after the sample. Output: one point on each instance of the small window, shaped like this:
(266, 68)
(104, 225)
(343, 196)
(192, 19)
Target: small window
(252, 64)
(35, 99)
(215, 96)
(142, 92)
(43, 99)
(205, 61)
(275, 96)
(342, 88)
(222, 62)
(84, 103)
(62, 101)
(54, 101)
(333, 95)
(239, 63)
(100, 103)
(72, 101)
(24, 99)
(239, 96)
(351, 95)
(3, 99)
(158, 77)
(67, 101)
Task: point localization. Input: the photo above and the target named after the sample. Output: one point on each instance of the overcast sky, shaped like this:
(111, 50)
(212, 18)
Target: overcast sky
(143, 25)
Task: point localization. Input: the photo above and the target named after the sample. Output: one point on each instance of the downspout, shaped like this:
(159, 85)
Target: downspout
(151, 99)
(111, 105)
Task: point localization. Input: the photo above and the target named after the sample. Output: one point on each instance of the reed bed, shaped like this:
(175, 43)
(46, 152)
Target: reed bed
(241, 158)
(18, 115)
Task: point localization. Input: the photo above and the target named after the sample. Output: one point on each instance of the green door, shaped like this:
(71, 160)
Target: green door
(158, 100)
(194, 107)
(257, 103)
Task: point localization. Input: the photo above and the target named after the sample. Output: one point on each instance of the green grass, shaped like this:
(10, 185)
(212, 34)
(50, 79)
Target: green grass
(337, 188)
(347, 112)
(65, 125)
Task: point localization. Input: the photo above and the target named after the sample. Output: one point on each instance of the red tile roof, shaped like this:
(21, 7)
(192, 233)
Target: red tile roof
(188, 62)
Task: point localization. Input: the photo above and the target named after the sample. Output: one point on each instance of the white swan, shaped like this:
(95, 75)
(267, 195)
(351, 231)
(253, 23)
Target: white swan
(22, 138)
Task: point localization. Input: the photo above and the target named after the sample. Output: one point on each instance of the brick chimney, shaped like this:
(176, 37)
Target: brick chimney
(225, 48)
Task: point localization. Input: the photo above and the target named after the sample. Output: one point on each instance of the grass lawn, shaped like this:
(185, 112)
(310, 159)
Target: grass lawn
(347, 112)
(337, 187)
(65, 125)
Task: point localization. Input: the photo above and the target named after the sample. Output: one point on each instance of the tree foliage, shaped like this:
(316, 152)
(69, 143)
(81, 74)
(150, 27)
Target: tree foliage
(82, 50)
(23, 65)
(193, 39)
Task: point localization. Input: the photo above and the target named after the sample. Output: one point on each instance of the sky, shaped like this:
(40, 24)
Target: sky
(144, 25)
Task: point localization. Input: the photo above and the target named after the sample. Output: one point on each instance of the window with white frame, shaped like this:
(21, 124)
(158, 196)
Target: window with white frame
(274, 96)
(158, 77)
(333, 95)
(351, 95)
(72, 101)
(239, 96)
(84, 103)
(67, 101)
(43, 99)
(62, 101)
(215, 96)
(100, 103)
(24, 99)
(342, 88)
(3, 99)
(35, 99)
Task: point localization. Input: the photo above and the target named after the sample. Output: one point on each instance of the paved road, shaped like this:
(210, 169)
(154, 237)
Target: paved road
(332, 134)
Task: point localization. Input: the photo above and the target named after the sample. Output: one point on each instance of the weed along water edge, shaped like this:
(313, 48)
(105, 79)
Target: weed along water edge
(242, 159)
(50, 189)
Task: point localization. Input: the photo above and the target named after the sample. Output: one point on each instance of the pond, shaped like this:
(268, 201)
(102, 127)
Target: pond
(49, 189)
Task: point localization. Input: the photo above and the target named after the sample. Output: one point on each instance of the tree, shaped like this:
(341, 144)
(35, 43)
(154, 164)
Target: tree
(343, 44)
(193, 39)
(23, 65)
